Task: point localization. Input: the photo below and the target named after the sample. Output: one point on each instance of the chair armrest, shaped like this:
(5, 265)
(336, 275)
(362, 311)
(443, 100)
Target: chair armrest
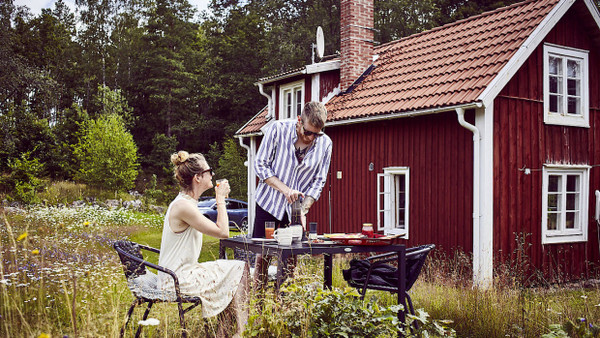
(154, 266)
(149, 248)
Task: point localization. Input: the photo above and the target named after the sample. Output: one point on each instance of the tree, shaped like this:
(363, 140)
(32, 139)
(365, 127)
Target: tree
(231, 167)
(400, 18)
(106, 153)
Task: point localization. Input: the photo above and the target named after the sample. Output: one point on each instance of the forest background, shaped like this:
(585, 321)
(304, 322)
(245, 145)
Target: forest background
(103, 95)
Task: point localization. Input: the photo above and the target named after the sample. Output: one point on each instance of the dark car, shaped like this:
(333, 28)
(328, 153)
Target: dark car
(236, 210)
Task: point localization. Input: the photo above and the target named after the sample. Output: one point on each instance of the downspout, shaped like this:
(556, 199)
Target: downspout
(477, 269)
(250, 185)
(271, 111)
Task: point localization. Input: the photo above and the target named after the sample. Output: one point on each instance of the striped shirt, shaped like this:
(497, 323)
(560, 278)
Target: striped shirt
(276, 157)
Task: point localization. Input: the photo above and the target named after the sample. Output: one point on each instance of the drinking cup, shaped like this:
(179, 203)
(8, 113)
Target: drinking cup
(269, 229)
(296, 231)
(283, 236)
(219, 181)
(312, 230)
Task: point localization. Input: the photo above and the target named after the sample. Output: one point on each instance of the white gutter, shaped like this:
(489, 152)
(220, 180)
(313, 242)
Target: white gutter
(270, 110)
(478, 270)
(403, 114)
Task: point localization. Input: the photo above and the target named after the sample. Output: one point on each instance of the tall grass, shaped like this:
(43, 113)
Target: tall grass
(60, 276)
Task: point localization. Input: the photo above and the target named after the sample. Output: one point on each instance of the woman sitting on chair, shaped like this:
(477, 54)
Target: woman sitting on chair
(221, 284)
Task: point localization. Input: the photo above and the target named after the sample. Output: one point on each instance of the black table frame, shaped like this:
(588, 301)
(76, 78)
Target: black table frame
(284, 252)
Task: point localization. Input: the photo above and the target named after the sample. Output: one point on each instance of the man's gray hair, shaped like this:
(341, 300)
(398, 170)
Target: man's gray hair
(315, 113)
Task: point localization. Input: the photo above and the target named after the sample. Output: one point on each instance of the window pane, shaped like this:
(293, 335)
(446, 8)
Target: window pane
(552, 221)
(572, 201)
(572, 183)
(573, 70)
(553, 84)
(554, 184)
(555, 65)
(572, 87)
(573, 106)
(553, 200)
(298, 102)
(553, 103)
(571, 220)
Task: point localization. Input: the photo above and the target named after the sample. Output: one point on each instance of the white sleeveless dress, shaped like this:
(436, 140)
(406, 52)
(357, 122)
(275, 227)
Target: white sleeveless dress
(215, 282)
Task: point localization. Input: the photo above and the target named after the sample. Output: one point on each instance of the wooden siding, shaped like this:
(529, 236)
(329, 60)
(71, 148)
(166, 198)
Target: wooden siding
(439, 153)
(329, 81)
(523, 140)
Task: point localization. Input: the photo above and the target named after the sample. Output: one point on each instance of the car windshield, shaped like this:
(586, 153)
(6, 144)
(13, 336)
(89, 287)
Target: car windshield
(206, 203)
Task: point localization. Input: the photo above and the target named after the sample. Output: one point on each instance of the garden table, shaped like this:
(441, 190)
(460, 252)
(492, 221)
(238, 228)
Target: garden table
(283, 252)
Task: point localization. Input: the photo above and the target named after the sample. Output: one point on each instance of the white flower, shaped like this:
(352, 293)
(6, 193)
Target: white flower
(149, 321)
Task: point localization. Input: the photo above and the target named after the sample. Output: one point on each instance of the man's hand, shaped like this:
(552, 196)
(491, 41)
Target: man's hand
(292, 195)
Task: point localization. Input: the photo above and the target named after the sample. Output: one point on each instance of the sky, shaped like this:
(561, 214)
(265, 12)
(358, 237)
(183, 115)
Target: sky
(36, 5)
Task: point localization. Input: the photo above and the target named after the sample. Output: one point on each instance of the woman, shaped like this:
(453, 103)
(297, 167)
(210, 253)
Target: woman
(221, 284)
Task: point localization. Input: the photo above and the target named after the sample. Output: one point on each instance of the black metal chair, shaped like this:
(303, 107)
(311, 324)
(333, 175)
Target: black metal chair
(374, 272)
(143, 284)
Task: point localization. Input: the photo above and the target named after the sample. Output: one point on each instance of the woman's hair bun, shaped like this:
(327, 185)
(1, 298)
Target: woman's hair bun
(180, 157)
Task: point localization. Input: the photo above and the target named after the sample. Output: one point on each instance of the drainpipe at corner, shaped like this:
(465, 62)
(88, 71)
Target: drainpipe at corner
(250, 151)
(270, 109)
(478, 275)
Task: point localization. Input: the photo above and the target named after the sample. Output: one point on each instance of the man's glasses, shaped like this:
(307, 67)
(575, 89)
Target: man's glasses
(311, 133)
(212, 173)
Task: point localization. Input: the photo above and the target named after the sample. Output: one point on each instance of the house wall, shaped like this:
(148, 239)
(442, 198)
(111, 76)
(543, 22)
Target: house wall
(439, 153)
(523, 140)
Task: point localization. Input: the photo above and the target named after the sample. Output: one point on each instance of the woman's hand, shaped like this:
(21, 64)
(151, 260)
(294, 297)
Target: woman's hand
(222, 190)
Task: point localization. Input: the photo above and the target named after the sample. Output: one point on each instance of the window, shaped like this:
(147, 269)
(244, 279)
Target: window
(291, 99)
(564, 204)
(566, 99)
(393, 200)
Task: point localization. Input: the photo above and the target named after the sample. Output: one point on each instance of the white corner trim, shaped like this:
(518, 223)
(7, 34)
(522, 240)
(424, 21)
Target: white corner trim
(532, 42)
(593, 11)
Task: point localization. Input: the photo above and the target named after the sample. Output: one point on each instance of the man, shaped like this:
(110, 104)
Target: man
(292, 162)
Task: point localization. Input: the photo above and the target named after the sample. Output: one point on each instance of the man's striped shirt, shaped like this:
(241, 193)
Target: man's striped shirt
(276, 157)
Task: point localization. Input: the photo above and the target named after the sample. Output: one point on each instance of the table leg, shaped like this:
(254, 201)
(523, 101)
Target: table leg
(327, 271)
(282, 265)
(402, 284)
(222, 254)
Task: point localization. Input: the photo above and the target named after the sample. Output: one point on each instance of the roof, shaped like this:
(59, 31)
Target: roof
(253, 126)
(447, 66)
(461, 63)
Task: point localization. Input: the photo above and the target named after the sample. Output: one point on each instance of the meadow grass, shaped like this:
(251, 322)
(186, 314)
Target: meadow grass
(60, 276)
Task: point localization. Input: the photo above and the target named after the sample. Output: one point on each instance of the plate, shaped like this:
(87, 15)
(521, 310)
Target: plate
(321, 243)
(264, 240)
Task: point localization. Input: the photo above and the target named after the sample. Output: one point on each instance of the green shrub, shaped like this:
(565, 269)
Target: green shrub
(107, 154)
(24, 178)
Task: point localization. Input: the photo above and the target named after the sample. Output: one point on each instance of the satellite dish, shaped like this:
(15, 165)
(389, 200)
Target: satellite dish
(320, 42)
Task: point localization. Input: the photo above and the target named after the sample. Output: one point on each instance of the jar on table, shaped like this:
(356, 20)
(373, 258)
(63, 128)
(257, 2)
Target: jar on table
(367, 229)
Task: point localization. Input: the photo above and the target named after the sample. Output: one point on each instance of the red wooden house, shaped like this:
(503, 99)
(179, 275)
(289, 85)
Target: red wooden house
(468, 136)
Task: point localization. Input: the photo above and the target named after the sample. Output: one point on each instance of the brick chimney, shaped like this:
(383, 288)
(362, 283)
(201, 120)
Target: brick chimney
(356, 39)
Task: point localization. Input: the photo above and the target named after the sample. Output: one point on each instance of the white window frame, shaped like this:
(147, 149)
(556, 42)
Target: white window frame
(579, 233)
(291, 109)
(565, 119)
(387, 195)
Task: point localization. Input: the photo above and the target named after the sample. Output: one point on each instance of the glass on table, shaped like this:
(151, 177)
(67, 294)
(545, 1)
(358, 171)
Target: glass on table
(269, 229)
(312, 230)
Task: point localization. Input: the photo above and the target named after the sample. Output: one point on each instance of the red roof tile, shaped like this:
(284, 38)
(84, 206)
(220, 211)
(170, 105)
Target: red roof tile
(446, 66)
(255, 123)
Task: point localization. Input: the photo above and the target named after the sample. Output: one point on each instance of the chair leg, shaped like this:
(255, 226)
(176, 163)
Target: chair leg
(182, 319)
(412, 310)
(139, 330)
(129, 312)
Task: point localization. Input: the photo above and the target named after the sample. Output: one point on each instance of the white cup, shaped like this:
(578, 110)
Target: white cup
(283, 236)
(296, 231)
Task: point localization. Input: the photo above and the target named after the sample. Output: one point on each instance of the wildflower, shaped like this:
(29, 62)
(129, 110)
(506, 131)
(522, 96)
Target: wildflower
(35, 252)
(584, 296)
(86, 223)
(43, 335)
(149, 321)
(22, 236)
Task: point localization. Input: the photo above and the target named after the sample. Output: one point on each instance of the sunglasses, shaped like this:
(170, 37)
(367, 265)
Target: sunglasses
(311, 133)
(212, 173)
